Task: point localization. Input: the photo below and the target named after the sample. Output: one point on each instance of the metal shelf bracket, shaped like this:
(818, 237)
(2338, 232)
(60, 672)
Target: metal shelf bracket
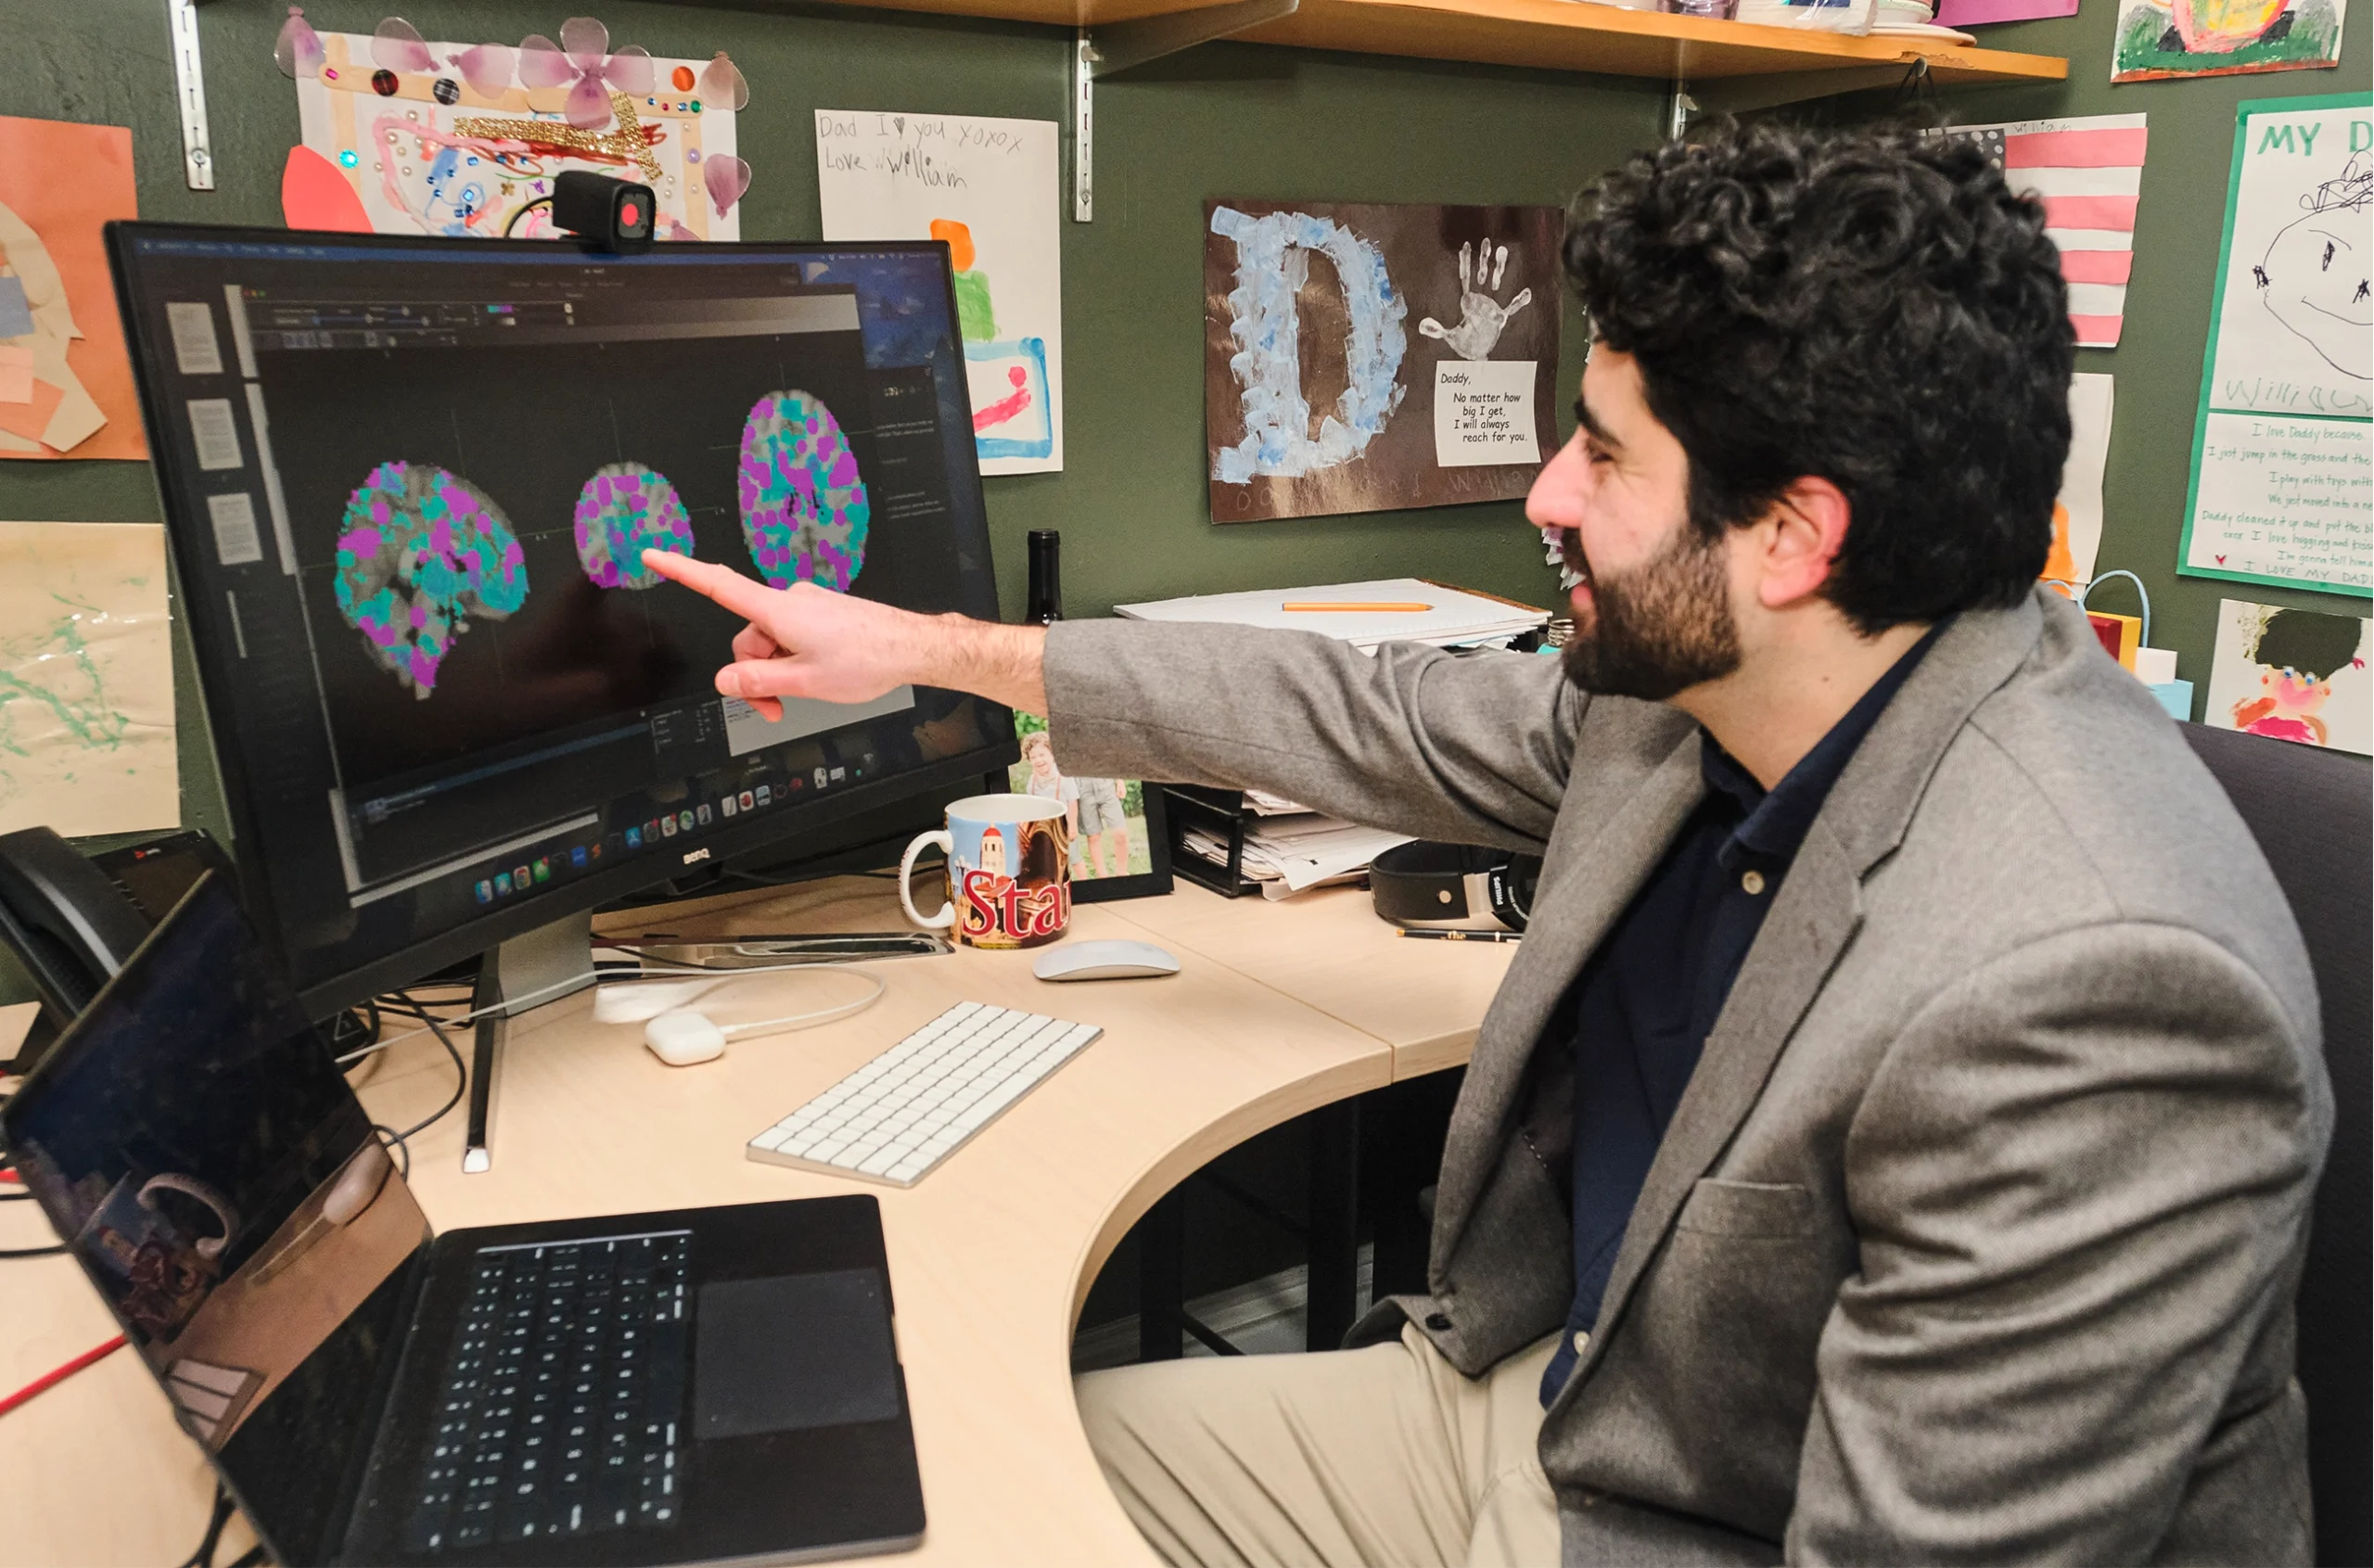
(1102, 51)
(1083, 128)
(198, 151)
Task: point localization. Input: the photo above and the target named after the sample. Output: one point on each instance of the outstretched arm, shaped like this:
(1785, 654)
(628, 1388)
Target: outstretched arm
(1475, 750)
(810, 642)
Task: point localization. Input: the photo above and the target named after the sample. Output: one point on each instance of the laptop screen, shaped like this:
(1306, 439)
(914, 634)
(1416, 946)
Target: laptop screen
(221, 1184)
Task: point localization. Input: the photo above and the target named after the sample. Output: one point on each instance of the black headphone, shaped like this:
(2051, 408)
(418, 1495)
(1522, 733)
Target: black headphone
(1454, 886)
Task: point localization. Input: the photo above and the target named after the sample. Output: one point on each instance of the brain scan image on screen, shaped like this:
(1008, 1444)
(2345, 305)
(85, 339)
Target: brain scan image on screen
(420, 551)
(804, 508)
(625, 509)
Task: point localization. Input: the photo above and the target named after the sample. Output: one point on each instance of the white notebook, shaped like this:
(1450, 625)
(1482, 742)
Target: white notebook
(1450, 616)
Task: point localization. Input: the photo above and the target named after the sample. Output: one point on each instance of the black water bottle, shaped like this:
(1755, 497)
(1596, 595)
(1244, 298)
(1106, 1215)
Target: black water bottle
(1045, 602)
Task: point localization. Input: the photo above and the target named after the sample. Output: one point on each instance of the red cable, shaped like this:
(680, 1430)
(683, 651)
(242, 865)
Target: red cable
(52, 1378)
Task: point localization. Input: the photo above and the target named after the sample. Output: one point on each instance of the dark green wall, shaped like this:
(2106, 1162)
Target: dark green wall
(1225, 119)
(2157, 362)
(1228, 121)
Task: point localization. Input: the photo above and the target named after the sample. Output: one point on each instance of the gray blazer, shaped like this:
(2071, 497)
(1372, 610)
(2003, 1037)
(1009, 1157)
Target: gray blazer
(1976, 1232)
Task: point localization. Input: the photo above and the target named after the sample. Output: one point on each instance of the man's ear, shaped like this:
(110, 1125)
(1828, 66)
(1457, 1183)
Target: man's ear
(1800, 538)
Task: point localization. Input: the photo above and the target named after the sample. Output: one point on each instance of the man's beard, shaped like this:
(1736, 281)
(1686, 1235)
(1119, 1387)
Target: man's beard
(1658, 629)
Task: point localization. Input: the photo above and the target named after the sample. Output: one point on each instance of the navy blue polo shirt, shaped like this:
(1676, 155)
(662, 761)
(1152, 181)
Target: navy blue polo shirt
(1643, 1007)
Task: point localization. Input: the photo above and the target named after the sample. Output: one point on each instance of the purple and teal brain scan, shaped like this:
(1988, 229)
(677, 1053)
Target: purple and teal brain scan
(625, 509)
(803, 506)
(420, 551)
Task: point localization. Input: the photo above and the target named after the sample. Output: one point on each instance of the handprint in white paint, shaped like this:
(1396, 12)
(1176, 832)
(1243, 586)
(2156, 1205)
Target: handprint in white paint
(1481, 318)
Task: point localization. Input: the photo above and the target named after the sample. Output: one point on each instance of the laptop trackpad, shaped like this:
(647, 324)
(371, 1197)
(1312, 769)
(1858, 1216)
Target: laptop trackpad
(802, 1350)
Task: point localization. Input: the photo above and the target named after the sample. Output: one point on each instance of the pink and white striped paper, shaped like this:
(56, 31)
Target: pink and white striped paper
(2088, 172)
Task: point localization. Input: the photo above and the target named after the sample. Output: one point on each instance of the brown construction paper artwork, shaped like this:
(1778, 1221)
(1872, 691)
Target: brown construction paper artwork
(1372, 358)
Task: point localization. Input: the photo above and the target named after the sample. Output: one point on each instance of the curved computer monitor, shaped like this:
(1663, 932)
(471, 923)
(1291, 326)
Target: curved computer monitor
(406, 482)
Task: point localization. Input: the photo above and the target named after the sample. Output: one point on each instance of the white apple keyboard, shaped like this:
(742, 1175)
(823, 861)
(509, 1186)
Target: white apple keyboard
(901, 1114)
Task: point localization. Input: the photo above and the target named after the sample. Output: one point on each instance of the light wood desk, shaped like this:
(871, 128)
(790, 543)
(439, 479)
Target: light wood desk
(1326, 947)
(990, 1255)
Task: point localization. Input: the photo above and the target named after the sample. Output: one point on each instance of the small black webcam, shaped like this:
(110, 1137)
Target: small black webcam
(615, 214)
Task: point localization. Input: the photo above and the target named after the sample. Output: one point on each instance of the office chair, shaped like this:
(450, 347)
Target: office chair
(2312, 811)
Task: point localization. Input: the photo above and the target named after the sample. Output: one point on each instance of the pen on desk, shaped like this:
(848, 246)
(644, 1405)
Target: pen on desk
(1462, 935)
(1387, 607)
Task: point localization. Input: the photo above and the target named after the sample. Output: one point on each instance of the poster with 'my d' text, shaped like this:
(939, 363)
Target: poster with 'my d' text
(2283, 448)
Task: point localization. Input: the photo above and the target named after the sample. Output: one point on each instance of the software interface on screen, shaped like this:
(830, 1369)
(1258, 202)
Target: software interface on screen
(414, 484)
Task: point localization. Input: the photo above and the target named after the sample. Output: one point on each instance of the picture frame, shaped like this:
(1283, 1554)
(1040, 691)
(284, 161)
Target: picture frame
(1119, 832)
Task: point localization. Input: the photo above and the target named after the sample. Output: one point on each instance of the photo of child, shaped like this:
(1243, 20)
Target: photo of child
(1105, 821)
(2296, 675)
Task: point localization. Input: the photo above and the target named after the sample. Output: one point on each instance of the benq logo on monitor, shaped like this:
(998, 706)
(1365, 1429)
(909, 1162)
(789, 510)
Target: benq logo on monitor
(693, 855)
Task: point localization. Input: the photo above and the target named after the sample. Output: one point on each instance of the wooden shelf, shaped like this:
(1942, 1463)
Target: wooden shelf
(1566, 36)
(1578, 35)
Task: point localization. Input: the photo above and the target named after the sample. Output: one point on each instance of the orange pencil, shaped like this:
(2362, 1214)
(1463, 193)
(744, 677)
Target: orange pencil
(1332, 605)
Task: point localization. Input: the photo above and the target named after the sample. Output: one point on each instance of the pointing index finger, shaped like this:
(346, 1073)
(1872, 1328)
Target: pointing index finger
(752, 601)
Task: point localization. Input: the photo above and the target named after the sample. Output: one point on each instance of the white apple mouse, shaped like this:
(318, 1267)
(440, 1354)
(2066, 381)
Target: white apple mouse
(1104, 961)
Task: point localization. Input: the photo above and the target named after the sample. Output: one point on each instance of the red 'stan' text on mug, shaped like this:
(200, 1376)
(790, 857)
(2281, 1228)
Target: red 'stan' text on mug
(1009, 877)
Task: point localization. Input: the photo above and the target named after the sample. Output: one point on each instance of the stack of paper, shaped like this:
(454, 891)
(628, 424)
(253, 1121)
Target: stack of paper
(1402, 609)
(1851, 15)
(1288, 853)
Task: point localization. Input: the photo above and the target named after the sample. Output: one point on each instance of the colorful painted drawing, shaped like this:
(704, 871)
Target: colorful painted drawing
(804, 506)
(625, 509)
(420, 551)
(976, 315)
(1008, 382)
(2296, 675)
(2159, 40)
(987, 189)
(1008, 378)
(2298, 653)
(462, 149)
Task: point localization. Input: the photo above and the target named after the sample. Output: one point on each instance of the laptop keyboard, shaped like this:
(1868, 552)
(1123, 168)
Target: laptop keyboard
(562, 1408)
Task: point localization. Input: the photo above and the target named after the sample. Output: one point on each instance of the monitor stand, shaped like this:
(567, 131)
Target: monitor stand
(547, 964)
(556, 961)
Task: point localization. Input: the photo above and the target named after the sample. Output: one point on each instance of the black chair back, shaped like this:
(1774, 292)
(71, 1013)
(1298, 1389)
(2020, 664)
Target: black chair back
(2312, 811)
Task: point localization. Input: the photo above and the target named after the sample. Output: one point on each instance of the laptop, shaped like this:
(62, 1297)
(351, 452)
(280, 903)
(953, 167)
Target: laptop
(696, 1385)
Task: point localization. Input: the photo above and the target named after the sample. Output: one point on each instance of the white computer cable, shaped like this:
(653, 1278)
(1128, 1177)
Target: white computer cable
(632, 999)
(678, 975)
(683, 1036)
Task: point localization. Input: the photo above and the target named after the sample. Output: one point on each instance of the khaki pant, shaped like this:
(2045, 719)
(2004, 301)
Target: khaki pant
(1379, 1458)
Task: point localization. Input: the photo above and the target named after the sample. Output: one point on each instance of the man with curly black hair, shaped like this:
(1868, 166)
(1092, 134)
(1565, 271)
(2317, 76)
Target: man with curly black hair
(1894, 1140)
